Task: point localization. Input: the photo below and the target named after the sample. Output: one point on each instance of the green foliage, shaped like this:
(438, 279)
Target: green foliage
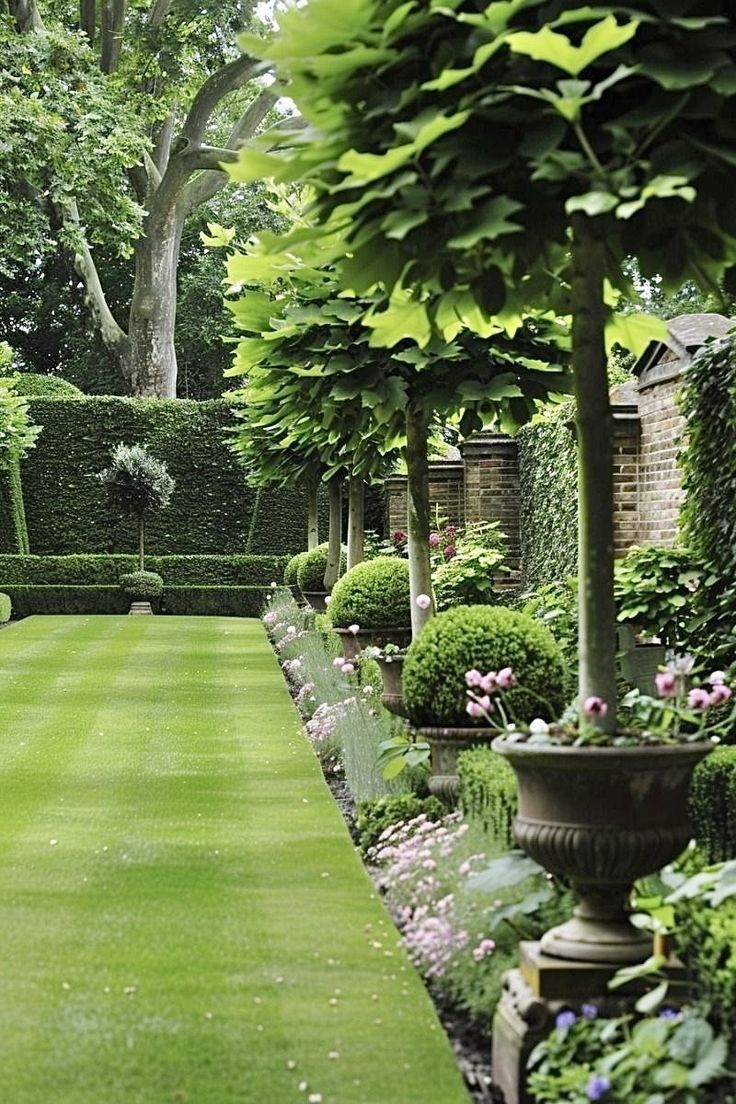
(706, 940)
(85, 570)
(655, 592)
(6, 608)
(17, 431)
(210, 511)
(376, 815)
(713, 804)
(34, 385)
(311, 569)
(291, 570)
(661, 1060)
(13, 528)
(208, 601)
(708, 462)
(373, 594)
(548, 499)
(6, 358)
(468, 577)
(486, 638)
(555, 605)
(136, 481)
(142, 585)
(487, 792)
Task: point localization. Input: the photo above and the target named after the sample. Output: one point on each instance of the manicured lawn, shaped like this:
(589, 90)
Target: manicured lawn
(183, 917)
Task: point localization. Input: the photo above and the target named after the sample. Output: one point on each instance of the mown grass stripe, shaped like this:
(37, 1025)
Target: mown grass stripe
(202, 922)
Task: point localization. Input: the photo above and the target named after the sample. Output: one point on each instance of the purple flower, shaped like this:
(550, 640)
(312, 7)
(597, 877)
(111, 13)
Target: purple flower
(597, 1087)
(348, 669)
(698, 698)
(473, 709)
(450, 552)
(669, 1014)
(666, 683)
(719, 694)
(565, 1019)
(434, 540)
(488, 682)
(589, 1011)
(505, 678)
(595, 706)
(473, 677)
(270, 618)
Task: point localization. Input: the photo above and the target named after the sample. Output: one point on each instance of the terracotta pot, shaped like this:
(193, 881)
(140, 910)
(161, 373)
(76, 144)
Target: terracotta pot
(316, 599)
(601, 818)
(446, 744)
(393, 691)
(352, 643)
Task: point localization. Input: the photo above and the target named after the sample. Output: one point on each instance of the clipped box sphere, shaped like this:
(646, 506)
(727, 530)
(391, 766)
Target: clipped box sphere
(291, 570)
(486, 638)
(142, 584)
(374, 594)
(310, 574)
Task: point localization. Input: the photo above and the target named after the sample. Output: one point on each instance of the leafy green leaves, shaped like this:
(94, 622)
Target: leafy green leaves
(556, 49)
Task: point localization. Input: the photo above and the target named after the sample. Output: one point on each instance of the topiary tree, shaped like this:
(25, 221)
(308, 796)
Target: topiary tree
(486, 638)
(374, 595)
(137, 483)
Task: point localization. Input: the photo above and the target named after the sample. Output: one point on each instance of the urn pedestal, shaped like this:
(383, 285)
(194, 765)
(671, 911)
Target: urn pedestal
(446, 744)
(392, 697)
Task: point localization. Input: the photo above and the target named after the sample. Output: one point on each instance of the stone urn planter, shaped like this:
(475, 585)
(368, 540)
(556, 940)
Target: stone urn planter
(445, 745)
(316, 599)
(601, 817)
(392, 697)
(355, 642)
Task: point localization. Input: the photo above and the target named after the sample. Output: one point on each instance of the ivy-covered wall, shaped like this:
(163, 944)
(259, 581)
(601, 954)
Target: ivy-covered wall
(211, 508)
(548, 499)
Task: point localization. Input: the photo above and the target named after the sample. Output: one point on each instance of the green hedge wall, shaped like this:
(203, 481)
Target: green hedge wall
(102, 570)
(211, 509)
(222, 601)
(713, 804)
(548, 499)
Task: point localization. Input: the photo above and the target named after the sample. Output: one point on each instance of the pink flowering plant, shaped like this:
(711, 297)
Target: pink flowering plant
(686, 709)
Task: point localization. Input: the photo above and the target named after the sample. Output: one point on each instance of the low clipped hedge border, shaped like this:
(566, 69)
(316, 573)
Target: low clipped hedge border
(713, 804)
(105, 570)
(207, 601)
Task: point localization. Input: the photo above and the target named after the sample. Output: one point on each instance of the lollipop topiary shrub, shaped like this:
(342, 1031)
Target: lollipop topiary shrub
(486, 638)
(142, 585)
(374, 594)
(292, 569)
(310, 574)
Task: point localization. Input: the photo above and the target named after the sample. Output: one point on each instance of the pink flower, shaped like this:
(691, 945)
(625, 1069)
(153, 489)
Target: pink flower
(698, 698)
(398, 537)
(473, 709)
(434, 540)
(666, 684)
(485, 703)
(505, 678)
(488, 682)
(338, 661)
(347, 668)
(595, 706)
(423, 601)
(450, 551)
(485, 947)
(720, 693)
(473, 677)
(269, 618)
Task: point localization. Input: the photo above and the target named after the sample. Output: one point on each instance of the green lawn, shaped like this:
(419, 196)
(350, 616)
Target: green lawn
(182, 914)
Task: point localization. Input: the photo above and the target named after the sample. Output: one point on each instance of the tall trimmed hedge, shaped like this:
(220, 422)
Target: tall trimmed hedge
(549, 502)
(210, 511)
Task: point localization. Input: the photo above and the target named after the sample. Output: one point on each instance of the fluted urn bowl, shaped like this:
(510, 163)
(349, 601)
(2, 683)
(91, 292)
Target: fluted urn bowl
(392, 697)
(354, 642)
(445, 746)
(601, 817)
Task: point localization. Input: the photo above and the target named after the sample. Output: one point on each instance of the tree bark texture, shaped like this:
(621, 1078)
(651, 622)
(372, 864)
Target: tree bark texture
(152, 319)
(418, 517)
(594, 426)
(356, 521)
(141, 538)
(312, 515)
(334, 538)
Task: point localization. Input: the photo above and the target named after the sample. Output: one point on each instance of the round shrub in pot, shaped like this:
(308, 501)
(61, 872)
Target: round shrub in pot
(375, 596)
(485, 638)
(292, 569)
(310, 575)
(142, 586)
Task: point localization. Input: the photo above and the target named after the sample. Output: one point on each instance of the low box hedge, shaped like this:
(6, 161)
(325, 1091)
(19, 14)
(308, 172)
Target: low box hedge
(105, 570)
(213, 601)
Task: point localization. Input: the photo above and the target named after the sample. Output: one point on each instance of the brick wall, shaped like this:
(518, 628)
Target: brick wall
(492, 485)
(446, 495)
(626, 460)
(660, 493)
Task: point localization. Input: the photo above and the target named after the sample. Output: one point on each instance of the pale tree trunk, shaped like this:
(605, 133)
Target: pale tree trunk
(356, 521)
(418, 517)
(334, 538)
(312, 515)
(594, 425)
(152, 317)
(141, 536)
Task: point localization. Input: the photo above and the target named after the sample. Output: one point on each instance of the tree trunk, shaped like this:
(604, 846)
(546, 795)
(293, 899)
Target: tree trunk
(418, 517)
(11, 499)
(594, 424)
(253, 527)
(141, 535)
(356, 521)
(332, 572)
(153, 309)
(312, 515)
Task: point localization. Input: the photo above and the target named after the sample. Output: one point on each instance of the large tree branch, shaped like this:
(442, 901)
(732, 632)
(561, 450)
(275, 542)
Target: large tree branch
(112, 20)
(208, 183)
(162, 140)
(225, 80)
(113, 335)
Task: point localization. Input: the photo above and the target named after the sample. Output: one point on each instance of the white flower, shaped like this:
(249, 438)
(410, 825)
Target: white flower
(274, 586)
(717, 677)
(423, 601)
(328, 599)
(353, 629)
(538, 727)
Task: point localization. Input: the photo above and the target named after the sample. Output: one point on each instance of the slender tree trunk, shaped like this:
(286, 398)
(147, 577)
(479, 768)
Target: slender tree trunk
(332, 572)
(11, 499)
(153, 309)
(594, 424)
(141, 535)
(356, 521)
(418, 519)
(253, 527)
(312, 515)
